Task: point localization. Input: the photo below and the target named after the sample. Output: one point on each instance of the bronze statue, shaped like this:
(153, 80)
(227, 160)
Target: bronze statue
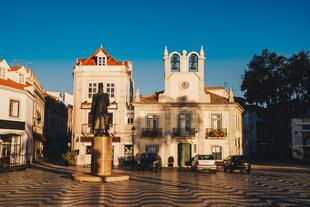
(99, 112)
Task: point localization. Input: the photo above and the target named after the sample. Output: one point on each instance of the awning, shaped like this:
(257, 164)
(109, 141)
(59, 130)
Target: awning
(39, 137)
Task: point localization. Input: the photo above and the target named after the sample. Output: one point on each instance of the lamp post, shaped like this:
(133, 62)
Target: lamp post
(133, 131)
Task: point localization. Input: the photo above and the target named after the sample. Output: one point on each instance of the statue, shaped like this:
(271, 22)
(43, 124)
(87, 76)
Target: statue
(99, 112)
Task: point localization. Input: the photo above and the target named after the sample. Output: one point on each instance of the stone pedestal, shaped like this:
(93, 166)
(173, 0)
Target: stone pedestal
(101, 163)
(101, 157)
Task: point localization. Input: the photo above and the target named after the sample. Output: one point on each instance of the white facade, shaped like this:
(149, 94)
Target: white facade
(187, 118)
(301, 139)
(16, 100)
(117, 79)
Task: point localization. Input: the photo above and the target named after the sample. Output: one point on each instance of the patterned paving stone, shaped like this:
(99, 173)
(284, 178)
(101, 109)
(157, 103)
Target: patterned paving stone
(263, 187)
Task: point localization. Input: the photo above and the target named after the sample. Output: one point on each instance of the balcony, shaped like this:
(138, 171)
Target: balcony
(183, 132)
(151, 132)
(216, 133)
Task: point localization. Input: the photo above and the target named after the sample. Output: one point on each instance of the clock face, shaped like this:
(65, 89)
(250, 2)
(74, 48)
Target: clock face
(184, 85)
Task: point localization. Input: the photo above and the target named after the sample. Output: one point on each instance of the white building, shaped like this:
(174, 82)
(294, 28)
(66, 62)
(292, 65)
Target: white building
(301, 139)
(116, 76)
(187, 118)
(16, 100)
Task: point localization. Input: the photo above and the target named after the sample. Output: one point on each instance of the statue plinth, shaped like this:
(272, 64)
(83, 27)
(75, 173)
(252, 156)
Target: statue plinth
(101, 156)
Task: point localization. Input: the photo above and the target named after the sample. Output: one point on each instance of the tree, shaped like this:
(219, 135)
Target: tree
(262, 80)
(281, 87)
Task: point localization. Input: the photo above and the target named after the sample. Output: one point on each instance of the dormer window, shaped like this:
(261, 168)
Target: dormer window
(21, 78)
(2, 72)
(175, 63)
(193, 63)
(100, 60)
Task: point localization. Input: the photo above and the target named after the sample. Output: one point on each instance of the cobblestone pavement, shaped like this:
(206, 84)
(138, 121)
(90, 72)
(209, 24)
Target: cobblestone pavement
(49, 185)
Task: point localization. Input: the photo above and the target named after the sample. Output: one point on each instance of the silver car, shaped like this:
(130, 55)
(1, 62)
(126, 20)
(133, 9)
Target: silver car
(204, 162)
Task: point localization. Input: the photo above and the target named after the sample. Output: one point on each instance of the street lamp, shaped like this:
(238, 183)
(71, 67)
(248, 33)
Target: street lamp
(133, 131)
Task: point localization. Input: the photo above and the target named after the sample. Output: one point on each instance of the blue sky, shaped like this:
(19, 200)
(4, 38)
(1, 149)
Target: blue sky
(50, 35)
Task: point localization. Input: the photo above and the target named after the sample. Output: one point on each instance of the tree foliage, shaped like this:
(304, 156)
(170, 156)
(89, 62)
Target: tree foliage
(273, 79)
(280, 86)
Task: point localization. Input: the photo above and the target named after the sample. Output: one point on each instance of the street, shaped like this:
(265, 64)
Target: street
(47, 185)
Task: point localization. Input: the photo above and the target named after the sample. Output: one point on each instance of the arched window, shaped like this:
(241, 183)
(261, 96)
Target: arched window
(175, 63)
(193, 63)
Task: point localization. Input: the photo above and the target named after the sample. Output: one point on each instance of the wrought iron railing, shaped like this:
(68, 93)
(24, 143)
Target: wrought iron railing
(14, 160)
(152, 132)
(210, 132)
(183, 132)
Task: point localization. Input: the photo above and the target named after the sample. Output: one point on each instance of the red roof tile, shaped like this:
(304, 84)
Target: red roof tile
(216, 99)
(15, 68)
(153, 98)
(12, 84)
(92, 59)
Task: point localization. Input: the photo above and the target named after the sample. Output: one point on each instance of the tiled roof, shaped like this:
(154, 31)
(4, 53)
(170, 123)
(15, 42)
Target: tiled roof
(1, 60)
(92, 59)
(15, 68)
(216, 99)
(213, 87)
(153, 98)
(12, 84)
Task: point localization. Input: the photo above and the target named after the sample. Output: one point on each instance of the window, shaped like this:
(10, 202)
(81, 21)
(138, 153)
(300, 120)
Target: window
(175, 63)
(216, 121)
(128, 149)
(100, 60)
(217, 152)
(184, 121)
(151, 148)
(2, 72)
(110, 119)
(14, 108)
(110, 89)
(88, 150)
(130, 120)
(92, 89)
(152, 121)
(193, 63)
(21, 78)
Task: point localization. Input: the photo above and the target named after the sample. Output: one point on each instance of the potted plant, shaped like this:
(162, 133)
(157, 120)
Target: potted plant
(68, 156)
(170, 161)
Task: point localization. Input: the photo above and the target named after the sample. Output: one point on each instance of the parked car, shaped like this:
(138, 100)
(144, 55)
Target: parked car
(150, 161)
(204, 162)
(237, 162)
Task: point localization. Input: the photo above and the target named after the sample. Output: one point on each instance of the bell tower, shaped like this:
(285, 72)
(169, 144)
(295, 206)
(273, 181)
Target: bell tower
(184, 77)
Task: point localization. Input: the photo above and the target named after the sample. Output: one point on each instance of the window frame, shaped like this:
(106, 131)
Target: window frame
(150, 120)
(217, 120)
(93, 85)
(109, 89)
(18, 108)
(190, 63)
(178, 63)
(218, 155)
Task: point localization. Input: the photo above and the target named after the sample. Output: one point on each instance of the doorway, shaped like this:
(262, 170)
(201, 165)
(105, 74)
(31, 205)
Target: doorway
(184, 153)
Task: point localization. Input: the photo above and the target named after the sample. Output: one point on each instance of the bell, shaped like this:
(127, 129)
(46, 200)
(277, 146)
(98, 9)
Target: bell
(193, 63)
(193, 66)
(174, 63)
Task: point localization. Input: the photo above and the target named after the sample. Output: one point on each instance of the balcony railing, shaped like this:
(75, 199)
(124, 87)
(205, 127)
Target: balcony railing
(152, 132)
(183, 132)
(216, 132)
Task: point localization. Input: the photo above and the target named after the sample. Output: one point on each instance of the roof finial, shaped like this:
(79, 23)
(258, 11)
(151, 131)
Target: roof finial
(202, 53)
(100, 45)
(166, 51)
(137, 97)
(231, 95)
